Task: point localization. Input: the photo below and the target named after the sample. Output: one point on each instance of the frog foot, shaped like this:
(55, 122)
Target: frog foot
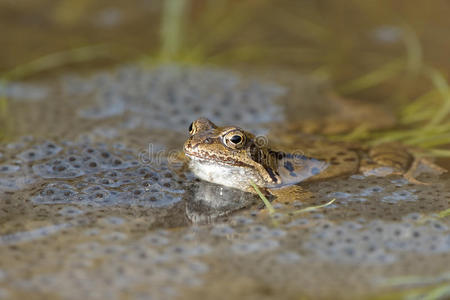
(419, 166)
(395, 159)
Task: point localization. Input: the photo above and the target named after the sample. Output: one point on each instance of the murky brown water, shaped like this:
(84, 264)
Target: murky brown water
(95, 201)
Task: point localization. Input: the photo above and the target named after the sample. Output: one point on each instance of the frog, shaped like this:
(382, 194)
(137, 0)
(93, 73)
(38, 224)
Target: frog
(233, 157)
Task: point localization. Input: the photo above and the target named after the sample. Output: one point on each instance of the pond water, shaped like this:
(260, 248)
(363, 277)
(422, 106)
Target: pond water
(96, 201)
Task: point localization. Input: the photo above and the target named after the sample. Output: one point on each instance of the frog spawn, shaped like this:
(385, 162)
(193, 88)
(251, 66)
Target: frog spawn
(385, 198)
(15, 171)
(104, 176)
(14, 177)
(183, 93)
(18, 91)
(376, 242)
(123, 262)
(114, 181)
(116, 188)
(125, 256)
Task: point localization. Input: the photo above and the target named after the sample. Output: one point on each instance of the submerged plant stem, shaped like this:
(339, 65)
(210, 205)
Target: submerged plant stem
(171, 28)
(263, 198)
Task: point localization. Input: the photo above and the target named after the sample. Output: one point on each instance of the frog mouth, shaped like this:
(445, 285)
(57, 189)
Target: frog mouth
(208, 158)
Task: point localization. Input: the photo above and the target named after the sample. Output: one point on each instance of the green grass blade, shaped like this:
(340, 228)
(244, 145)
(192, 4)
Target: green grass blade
(413, 50)
(263, 198)
(441, 292)
(441, 84)
(444, 213)
(382, 74)
(312, 208)
(57, 59)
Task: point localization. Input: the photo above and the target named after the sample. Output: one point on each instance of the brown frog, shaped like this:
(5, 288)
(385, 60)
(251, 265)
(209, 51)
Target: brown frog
(233, 157)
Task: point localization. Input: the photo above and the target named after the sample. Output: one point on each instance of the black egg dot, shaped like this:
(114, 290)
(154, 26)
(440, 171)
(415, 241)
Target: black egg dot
(60, 168)
(437, 226)
(349, 252)
(105, 154)
(93, 164)
(178, 250)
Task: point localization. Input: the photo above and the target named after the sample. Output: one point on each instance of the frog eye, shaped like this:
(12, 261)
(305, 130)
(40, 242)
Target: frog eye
(192, 128)
(234, 139)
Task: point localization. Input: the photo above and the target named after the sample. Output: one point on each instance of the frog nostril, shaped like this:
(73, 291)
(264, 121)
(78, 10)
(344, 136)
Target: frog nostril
(208, 141)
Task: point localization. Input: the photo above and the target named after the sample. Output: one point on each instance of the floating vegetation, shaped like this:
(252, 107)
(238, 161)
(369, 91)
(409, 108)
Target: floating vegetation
(422, 123)
(313, 208)
(444, 213)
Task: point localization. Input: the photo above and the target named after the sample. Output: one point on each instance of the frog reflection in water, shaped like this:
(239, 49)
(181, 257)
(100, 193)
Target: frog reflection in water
(233, 157)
